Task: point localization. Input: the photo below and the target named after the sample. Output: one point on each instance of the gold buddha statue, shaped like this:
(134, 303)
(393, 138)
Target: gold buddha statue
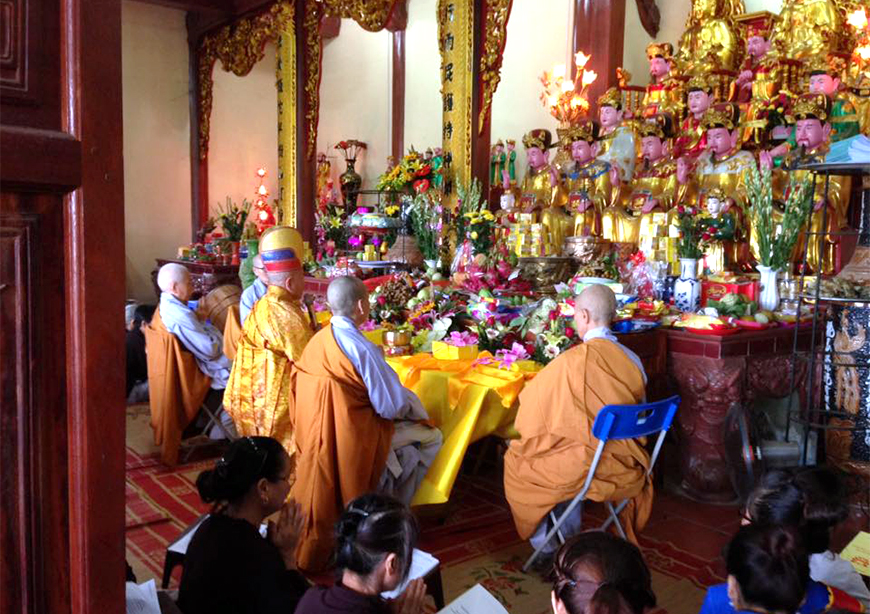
(710, 40)
(664, 93)
(540, 189)
(641, 214)
(722, 170)
(591, 183)
(811, 116)
(808, 28)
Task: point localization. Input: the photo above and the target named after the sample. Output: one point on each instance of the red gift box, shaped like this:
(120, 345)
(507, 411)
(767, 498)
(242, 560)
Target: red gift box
(715, 290)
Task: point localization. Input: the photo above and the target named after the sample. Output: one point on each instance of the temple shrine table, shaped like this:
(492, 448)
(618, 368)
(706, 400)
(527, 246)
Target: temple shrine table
(204, 276)
(468, 403)
(711, 373)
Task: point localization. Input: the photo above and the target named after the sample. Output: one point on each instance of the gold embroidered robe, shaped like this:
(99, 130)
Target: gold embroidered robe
(590, 181)
(259, 392)
(623, 222)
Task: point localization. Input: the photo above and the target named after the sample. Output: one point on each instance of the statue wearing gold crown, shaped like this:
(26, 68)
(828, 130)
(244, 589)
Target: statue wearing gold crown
(258, 394)
(664, 93)
(642, 211)
(758, 63)
(692, 138)
(824, 78)
(808, 29)
(710, 40)
(591, 184)
(811, 117)
(616, 142)
(722, 168)
(540, 189)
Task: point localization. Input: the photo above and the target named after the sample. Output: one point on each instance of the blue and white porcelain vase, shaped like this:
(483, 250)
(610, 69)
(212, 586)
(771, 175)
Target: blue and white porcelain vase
(687, 289)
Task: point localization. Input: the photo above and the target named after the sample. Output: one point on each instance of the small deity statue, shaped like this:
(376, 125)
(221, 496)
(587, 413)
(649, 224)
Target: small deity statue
(511, 156)
(811, 116)
(664, 93)
(592, 184)
(721, 224)
(757, 58)
(323, 172)
(616, 143)
(495, 167)
(692, 139)
(722, 168)
(653, 188)
(710, 40)
(807, 29)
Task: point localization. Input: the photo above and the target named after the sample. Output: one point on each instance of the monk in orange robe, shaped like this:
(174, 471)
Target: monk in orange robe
(357, 428)
(548, 465)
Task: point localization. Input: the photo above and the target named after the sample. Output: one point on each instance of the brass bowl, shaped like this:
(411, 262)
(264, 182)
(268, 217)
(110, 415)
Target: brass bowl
(398, 350)
(586, 249)
(544, 273)
(397, 338)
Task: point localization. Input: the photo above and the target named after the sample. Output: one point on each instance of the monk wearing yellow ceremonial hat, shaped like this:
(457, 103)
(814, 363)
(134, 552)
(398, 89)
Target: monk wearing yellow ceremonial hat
(259, 393)
(547, 466)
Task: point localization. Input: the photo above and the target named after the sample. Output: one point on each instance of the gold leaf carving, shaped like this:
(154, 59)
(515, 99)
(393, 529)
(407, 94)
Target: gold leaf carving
(495, 36)
(371, 15)
(314, 48)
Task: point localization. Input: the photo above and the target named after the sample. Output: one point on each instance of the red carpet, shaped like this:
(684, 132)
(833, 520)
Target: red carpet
(473, 535)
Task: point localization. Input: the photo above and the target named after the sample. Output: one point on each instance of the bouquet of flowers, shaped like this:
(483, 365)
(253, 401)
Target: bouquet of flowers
(350, 149)
(388, 302)
(551, 328)
(331, 230)
(775, 245)
(468, 201)
(690, 229)
(480, 227)
(424, 216)
(412, 173)
(232, 218)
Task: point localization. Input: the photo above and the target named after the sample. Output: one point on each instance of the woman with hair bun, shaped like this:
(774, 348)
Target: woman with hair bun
(229, 567)
(375, 539)
(599, 573)
(812, 500)
(769, 573)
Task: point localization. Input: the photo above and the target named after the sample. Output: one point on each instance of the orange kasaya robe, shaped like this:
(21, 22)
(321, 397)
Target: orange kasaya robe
(176, 387)
(550, 461)
(341, 444)
(259, 394)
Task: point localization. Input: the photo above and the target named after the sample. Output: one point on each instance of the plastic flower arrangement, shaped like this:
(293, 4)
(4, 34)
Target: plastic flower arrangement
(412, 174)
(350, 148)
(232, 218)
(480, 227)
(331, 230)
(690, 231)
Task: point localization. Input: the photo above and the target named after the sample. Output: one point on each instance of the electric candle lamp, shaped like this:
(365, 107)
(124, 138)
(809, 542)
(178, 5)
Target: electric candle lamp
(261, 172)
(567, 86)
(567, 99)
(581, 59)
(262, 191)
(589, 76)
(559, 71)
(857, 19)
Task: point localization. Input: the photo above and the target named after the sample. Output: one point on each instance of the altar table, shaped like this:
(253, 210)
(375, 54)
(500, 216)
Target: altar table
(469, 403)
(713, 372)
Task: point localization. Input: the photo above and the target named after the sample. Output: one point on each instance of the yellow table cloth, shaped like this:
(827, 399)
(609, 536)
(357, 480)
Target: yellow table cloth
(467, 402)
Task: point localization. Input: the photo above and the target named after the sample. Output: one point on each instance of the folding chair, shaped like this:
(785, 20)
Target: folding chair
(616, 422)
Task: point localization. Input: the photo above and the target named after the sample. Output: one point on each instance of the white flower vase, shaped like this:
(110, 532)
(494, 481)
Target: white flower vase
(687, 289)
(769, 297)
(431, 264)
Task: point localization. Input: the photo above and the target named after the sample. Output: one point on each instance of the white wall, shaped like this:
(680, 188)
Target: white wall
(244, 132)
(355, 98)
(423, 109)
(674, 14)
(537, 40)
(156, 139)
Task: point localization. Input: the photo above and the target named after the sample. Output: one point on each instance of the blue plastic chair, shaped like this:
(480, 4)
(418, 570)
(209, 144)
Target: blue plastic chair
(617, 422)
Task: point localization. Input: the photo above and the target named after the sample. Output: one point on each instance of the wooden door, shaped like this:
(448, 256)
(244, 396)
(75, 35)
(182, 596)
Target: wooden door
(61, 305)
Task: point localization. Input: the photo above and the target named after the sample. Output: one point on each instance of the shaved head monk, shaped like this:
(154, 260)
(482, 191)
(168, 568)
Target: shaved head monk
(357, 428)
(547, 466)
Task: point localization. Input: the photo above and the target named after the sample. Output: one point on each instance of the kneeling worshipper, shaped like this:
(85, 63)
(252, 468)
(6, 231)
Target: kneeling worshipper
(357, 428)
(259, 392)
(200, 338)
(256, 290)
(548, 465)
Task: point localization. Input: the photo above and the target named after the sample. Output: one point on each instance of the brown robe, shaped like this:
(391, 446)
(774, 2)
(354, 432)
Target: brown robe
(550, 461)
(176, 387)
(341, 444)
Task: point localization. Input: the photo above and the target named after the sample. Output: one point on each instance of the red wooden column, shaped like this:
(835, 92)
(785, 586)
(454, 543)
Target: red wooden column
(599, 31)
(479, 139)
(397, 147)
(305, 164)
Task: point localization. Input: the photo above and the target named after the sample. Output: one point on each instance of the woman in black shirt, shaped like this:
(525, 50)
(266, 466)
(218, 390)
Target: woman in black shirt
(229, 567)
(375, 540)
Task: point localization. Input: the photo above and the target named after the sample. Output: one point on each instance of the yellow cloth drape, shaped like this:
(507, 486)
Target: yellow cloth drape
(258, 394)
(467, 402)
